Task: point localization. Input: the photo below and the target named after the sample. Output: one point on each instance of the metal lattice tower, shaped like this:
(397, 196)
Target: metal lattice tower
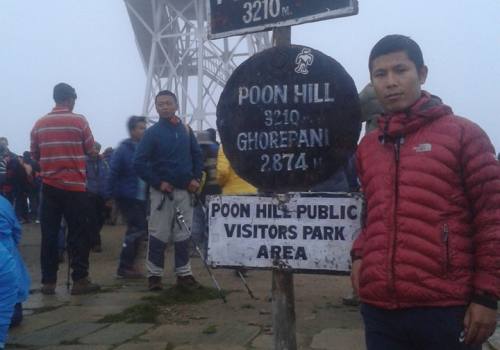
(171, 36)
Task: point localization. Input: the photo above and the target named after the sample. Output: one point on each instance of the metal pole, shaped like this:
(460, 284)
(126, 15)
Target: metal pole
(283, 302)
(152, 61)
(199, 112)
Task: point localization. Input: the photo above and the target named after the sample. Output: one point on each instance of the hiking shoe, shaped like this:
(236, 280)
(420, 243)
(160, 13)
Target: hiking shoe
(48, 289)
(154, 284)
(131, 274)
(187, 282)
(84, 286)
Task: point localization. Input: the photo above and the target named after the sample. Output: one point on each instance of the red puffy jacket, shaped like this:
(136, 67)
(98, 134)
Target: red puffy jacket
(432, 228)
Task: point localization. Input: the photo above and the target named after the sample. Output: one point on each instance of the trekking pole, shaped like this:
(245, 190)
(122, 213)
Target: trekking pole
(182, 223)
(240, 275)
(68, 273)
(246, 285)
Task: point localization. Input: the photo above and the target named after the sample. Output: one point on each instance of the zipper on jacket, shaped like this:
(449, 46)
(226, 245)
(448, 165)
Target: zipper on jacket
(445, 237)
(397, 151)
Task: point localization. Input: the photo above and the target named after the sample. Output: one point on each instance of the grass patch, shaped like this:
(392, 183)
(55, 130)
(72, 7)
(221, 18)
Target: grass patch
(212, 329)
(140, 313)
(175, 295)
(150, 309)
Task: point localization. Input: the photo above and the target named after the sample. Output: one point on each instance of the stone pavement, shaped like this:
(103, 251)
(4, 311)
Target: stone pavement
(64, 322)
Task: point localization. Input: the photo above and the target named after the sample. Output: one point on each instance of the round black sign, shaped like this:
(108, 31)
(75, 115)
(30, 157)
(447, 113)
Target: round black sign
(288, 118)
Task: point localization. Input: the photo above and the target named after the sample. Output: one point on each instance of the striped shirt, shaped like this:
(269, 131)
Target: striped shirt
(60, 142)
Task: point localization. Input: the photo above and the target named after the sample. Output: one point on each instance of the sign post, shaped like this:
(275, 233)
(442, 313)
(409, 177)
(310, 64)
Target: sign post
(283, 289)
(288, 118)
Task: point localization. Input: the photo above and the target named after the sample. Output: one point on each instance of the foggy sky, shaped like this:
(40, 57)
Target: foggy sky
(90, 45)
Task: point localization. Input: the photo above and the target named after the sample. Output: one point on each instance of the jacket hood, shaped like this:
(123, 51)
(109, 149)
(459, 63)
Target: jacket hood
(427, 109)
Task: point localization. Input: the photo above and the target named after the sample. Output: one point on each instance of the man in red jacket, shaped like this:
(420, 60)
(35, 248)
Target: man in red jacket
(426, 264)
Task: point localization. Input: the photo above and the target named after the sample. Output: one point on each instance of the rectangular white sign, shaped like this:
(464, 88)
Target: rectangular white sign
(299, 231)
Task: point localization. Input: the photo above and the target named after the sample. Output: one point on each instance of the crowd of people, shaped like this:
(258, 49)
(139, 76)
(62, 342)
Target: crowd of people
(425, 266)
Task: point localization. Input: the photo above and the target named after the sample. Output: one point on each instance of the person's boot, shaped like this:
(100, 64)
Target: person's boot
(154, 283)
(48, 289)
(187, 282)
(84, 286)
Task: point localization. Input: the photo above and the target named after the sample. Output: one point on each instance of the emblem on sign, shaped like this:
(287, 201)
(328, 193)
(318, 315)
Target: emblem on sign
(303, 61)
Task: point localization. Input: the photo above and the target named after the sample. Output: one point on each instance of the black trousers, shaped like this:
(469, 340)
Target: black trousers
(432, 328)
(96, 212)
(134, 212)
(57, 203)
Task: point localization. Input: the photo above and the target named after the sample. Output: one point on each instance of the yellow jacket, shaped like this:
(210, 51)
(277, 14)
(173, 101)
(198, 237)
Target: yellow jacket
(227, 178)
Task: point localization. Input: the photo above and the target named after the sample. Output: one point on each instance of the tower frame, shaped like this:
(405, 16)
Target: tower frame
(171, 36)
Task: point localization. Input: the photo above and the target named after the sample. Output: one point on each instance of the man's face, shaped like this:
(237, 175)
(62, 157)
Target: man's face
(138, 132)
(166, 106)
(396, 81)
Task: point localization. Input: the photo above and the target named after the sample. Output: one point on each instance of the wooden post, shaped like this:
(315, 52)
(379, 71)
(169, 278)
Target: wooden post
(283, 295)
(282, 36)
(283, 310)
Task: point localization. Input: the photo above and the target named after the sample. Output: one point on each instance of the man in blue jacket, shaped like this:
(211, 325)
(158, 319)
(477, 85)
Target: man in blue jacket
(129, 192)
(170, 161)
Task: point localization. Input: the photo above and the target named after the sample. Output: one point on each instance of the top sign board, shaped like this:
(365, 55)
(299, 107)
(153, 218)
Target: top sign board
(237, 17)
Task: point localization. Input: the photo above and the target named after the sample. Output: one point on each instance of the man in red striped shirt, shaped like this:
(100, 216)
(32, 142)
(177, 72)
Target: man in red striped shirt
(60, 142)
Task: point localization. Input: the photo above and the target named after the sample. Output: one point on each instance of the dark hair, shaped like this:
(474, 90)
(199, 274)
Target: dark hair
(167, 93)
(133, 121)
(63, 92)
(212, 134)
(396, 43)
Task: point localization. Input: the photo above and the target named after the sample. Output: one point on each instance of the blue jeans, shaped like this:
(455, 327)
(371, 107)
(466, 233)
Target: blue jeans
(431, 328)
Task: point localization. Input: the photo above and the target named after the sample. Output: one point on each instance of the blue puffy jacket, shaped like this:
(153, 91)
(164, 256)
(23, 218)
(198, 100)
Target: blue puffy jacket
(14, 278)
(123, 181)
(169, 152)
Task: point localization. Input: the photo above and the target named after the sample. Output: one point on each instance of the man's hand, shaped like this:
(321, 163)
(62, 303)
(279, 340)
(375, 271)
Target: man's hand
(479, 324)
(165, 187)
(193, 186)
(356, 267)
